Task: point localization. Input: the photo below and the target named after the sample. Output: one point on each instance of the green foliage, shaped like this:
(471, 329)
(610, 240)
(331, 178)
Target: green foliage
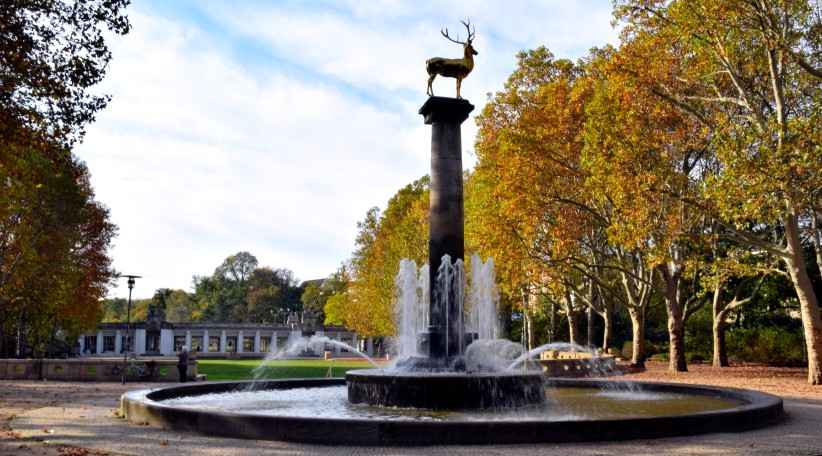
(179, 306)
(774, 345)
(53, 52)
(240, 291)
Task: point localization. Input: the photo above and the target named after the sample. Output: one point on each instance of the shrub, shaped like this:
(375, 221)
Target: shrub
(650, 349)
(769, 345)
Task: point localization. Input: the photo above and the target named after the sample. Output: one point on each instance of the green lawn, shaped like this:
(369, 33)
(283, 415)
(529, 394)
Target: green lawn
(225, 369)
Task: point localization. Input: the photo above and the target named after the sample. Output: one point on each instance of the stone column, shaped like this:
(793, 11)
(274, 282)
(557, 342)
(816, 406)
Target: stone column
(369, 346)
(82, 344)
(240, 341)
(446, 237)
(257, 342)
(205, 341)
(273, 346)
(139, 341)
(118, 342)
(99, 342)
(167, 342)
(337, 347)
(222, 341)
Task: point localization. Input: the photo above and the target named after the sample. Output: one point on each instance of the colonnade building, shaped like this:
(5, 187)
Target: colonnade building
(156, 337)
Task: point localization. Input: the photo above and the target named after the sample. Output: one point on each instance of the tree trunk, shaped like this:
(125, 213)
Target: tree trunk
(676, 326)
(676, 353)
(808, 302)
(638, 331)
(530, 332)
(720, 351)
(608, 328)
(589, 336)
(720, 358)
(573, 327)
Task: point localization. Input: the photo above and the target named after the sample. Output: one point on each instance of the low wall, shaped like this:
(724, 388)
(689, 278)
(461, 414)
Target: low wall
(94, 369)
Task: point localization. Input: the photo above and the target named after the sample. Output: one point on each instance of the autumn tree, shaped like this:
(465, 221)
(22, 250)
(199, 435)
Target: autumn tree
(54, 240)
(401, 231)
(748, 71)
(527, 211)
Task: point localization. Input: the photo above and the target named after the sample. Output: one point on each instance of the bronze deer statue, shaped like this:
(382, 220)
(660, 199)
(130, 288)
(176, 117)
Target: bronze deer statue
(453, 68)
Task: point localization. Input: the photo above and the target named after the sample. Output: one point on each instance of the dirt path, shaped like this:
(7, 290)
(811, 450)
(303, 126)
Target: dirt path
(782, 381)
(18, 398)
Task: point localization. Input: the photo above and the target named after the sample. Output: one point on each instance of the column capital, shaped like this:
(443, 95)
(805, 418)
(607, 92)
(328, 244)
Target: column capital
(443, 109)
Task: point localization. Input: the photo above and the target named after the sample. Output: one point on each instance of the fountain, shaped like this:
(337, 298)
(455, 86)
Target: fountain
(455, 382)
(436, 375)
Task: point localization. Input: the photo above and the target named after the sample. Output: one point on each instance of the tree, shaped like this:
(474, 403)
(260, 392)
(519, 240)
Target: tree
(179, 306)
(272, 295)
(114, 310)
(223, 296)
(383, 240)
(644, 156)
(52, 53)
(746, 70)
(237, 268)
(54, 240)
(336, 303)
(529, 216)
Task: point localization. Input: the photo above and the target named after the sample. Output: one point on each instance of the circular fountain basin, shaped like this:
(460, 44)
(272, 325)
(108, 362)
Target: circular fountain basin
(317, 411)
(444, 390)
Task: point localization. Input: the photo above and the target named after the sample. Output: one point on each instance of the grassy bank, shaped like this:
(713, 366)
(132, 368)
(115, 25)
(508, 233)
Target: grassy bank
(225, 369)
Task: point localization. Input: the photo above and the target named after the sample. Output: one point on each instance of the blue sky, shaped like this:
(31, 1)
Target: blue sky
(272, 127)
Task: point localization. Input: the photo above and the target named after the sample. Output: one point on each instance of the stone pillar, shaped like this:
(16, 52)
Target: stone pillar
(446, 237)
(188, 340)
(273, 346)
(337, 347)
(222, 341)
(369, 346)
(240, 341)
(82, 344)
(139, 341)
(205, 341)
(257, 342)
(99, 342)
(167, 342)
(118, 342)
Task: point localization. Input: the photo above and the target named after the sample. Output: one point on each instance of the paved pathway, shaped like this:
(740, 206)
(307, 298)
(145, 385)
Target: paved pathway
(83, 415)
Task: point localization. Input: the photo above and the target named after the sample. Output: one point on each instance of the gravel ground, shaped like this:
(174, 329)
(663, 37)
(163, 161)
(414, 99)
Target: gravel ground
(75, 419)
(787, 382)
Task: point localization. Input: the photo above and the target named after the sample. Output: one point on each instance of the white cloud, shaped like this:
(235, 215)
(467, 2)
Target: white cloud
(198, 160)
(205, 151)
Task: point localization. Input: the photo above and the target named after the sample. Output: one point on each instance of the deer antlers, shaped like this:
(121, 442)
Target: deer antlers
(467, 27)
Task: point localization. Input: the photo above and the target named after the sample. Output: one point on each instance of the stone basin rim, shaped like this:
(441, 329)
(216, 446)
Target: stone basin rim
(757, 410)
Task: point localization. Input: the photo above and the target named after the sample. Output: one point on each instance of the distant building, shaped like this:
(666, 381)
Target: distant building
(157, 337)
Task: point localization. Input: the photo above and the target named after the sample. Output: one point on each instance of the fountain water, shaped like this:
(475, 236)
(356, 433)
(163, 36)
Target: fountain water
(483, 299)
(297, 346)
(411, 309)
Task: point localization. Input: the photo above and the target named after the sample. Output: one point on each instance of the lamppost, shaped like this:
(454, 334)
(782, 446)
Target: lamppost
(129, 338)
